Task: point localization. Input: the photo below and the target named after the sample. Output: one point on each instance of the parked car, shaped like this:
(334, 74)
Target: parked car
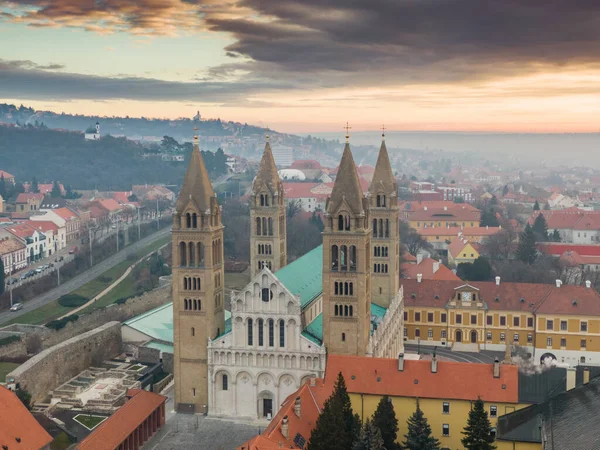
(16, 307)
(23, 277)
(11, 280)
(60, 259)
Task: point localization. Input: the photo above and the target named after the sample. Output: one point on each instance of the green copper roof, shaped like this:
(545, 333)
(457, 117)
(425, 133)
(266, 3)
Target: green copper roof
(164, 348)
(314, 330)
(158, 323)
(304, 277)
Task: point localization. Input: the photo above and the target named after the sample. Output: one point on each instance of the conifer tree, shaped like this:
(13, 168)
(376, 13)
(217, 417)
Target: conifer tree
(419, 433)
(540, 228)
(556, 236)
(55, 190)
(34, 188)
(387, 423)
(2, 186)
(336, 428)
(526, 251)
(536, 206)
(478, 432)
(369, 438)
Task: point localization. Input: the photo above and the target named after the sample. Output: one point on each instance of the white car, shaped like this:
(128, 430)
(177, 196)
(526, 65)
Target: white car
(16, 307)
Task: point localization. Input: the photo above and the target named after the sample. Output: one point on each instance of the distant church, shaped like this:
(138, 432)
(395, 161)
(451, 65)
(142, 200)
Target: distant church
(93, 133)
(342, 297)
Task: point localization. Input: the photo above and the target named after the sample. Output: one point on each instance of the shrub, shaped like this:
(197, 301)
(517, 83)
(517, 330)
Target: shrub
(104, 279)
(9, 340)
(122, 300)
(25, 397)
(72, 300)
(60, 323)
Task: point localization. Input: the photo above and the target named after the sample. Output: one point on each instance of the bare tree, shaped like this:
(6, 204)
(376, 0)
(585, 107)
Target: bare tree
(500, 245)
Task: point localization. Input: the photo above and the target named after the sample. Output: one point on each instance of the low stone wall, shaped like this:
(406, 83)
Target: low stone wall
(55, 365)
(167, 361)
(86, 322)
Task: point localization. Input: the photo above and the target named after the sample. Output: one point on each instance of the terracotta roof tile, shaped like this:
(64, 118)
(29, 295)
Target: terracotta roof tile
(121, 424)
(557, 249)
(8, 245)
(426, 268)
(5, 174)
(43, 225)
(17, 422)
(378, 376)
(307, 164)
(66, 213)
(25, 197)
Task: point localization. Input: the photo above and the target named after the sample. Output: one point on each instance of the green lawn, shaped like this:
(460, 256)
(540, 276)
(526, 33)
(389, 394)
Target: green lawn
(61, 442)
(6, 368)
(90, 422)
(53, 310)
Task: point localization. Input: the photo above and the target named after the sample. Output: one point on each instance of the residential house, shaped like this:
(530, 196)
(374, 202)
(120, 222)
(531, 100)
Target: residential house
(152, 192)
(309, 167)
(53, 203)
(73, 224)
(27, 202)
(18, 428)
(426, 268)
(13, 253)
(408, 208)
(113, 208)
(463, 251)
(51, 231)
(448, 216)
(455, 192)
(8, 178)
(559, 322)
(310, 196)
(34, 240)
(441, 237)
(574, 226)
(45, 188)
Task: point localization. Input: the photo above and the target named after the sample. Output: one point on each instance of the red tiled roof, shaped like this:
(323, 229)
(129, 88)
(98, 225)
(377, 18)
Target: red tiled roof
(121, 424)
(456, 246)
(25, 197)
(466, 231)
(571, 258)
(407, 257)
(5, 174)
(557, 249)
(109, 204)
(307, 164)
(366, 169)
(434, 204)
(571, 218)
(301, 190)
(17, 422)
(571, 300)
(43, 225)
(21, 230)
(445, 214)
(312, 399)
(121, 197)
(425, 268)
(379, 376)
(65, 213)
(8, 245)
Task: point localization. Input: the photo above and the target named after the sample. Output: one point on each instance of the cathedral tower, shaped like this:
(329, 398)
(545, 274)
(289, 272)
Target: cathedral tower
(346, 264)
(267, 217)
(383, 206)
(198, 313)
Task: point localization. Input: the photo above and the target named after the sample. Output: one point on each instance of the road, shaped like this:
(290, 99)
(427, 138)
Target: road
(483, 357)
(83, 278)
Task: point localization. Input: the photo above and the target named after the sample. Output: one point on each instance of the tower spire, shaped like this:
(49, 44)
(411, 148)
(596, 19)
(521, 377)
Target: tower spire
(347, 185)
(383, 133)
(383, 174)
(347, 128)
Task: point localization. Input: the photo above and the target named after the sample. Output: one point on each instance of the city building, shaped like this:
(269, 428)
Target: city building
(408, 208)
(459, 215)
(34, 240)
(13, 253)
(426, 268)
(463, 251)
(8, 177)
(50, 230)
(93, 133)
(27, 202)
(574, 226)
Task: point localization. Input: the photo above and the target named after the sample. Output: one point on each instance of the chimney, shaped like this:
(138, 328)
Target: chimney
(586, 375)
(419, 258)
(419, 277)
(445, 208)
(496, 368)
(425, 208)
(558, 283)
(298, 408)
(285, 428)
(571, 378)
(401, 362)
(588, 284)
(497, 281)
(487, 227)
(434, 364)
(436, 266)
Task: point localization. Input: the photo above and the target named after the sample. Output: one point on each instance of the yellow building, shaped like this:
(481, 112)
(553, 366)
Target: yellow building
(462, 251)
(441, 235)
(446, 390)
(557, 321)
(457, 215)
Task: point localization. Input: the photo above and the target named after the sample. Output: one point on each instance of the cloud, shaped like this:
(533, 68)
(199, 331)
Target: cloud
(25, 79)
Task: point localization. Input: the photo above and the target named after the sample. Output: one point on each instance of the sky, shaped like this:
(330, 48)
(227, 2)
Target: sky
(311, 65)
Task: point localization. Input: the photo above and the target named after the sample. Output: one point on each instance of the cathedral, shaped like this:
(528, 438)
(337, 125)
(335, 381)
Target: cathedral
(342, 297)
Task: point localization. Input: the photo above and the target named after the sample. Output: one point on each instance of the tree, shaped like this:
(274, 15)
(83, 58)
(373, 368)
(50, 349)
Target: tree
(478, 432)
(369, 438)
(56, 192)
(387, 423)
(488, 218)
(336, 428)
(478, 270)
(2, 187)
(413, 240)
(133, 198)
(499, 246)
(505, 190)
(294, 207)
(419, 433)
(25, 397)
(540, 228)
(34, 186)
(555, 236)
(526, 251)
(536, 206)
(2, 283)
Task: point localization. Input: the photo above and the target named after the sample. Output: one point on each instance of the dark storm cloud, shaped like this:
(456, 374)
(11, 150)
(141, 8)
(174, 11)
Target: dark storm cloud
(23, 79)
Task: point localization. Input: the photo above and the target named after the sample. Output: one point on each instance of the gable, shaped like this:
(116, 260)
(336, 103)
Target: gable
(265, 294)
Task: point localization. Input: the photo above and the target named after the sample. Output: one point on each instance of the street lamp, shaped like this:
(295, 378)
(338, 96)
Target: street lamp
(418, 346)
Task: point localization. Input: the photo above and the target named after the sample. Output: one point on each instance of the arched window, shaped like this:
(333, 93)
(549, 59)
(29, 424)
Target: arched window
(264, 226)
(271, 333)
(347, 220)
(350, 311)
(340, 223)
(378, 200)
(182, 254)
(200, 254)
(346, 289)
(261, 331)
(343, 337)
(387, 227)
(194, 220)
(185, 304)
(334, 258)
(266, 200)
(250, 335)
(383, 200)
(262, 200)
(281, 333)
(193, 331)
(380, 228)
(352, 258)
(195, 305)
(375, 228)
(343, 258)
(351, 288)
(192, 255)
(188, 220)
(270, 226)
(336, 291)
(225, 384)
(346, 310)
(185, 284)
(337, 310)
(258, 228)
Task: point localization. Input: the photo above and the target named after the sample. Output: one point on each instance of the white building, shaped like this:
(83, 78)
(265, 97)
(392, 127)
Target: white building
(60, 238)
(93, 135)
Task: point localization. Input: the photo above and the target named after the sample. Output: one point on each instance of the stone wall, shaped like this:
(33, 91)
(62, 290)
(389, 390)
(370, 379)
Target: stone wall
(55, 365)
(167, 360)
(148, 355)
(86, 322)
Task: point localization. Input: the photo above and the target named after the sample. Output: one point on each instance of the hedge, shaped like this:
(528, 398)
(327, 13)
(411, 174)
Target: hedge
(72, 300)
(9, 340)
(57, 324)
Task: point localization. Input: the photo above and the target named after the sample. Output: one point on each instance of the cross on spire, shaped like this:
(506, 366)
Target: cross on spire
(267, 135)
(195, 133)
(383, 132)
(347, 128)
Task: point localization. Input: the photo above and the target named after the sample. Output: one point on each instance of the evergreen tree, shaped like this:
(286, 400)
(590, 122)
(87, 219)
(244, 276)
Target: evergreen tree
(2, 186)
(540, 228)
(419, 433)
(556, 236)
(526, 251)
(488, 218)
(336, 427)
(56, 192)
(478, 270)
(369, 438)
(387, 423)
(505, 190)
(34, 186)
(2, 284)
(536, 206)
(478, 432)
